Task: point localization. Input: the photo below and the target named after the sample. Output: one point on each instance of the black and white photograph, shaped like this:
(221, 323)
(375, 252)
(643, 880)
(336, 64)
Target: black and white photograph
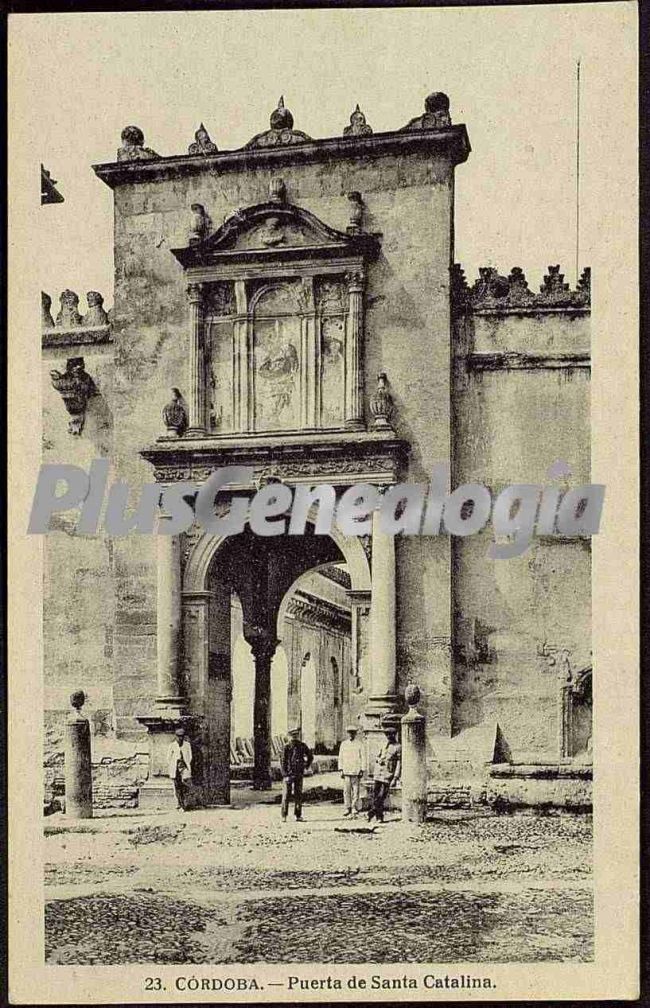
(322, 662)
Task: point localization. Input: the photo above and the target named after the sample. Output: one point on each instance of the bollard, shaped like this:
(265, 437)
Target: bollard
(414, 765)
(78, 766)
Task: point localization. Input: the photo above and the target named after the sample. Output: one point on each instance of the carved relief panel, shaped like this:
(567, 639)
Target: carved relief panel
(276, 354)
(331, 323)
(276, 346)
(219, 312)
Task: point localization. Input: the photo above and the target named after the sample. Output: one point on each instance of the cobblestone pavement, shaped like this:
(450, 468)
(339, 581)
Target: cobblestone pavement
(238, 885)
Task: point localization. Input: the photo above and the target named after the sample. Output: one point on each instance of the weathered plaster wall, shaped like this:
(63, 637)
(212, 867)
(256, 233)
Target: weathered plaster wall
(513, 618)
(78, 579)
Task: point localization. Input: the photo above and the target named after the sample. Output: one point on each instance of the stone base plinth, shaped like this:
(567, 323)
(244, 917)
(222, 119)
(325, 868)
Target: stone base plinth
(157, 794)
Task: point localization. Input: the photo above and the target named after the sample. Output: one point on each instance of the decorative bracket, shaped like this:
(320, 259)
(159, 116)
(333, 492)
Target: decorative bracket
(76, 388)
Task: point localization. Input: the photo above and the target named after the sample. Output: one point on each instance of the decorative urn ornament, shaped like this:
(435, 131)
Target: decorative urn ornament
(175, 415)
(381, 404)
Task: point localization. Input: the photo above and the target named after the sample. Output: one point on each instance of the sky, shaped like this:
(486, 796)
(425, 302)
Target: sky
(509, 72)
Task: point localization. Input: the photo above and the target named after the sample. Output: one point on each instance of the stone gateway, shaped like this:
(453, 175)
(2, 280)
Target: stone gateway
(299, 298)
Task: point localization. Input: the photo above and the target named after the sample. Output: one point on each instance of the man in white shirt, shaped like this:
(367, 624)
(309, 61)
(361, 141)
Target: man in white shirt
(351, 768)
(179, 766)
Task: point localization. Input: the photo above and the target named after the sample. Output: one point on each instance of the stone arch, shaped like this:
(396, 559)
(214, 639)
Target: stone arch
(201, 556)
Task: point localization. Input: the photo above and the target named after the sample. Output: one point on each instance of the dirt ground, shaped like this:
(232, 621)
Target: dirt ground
(236, 885)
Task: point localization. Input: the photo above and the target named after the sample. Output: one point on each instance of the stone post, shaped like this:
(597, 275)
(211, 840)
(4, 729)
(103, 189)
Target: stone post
(78, 764)
(414, 764)
(353, 375)
(196, 382)
(263, 651)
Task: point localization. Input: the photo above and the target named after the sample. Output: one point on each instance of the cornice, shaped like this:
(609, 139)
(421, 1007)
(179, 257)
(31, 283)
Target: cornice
(451, 141)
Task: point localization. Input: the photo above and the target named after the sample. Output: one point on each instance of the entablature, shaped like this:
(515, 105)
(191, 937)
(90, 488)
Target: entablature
(337, 459)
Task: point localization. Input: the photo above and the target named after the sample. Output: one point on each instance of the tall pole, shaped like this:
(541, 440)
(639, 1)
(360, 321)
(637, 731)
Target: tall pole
(577, 172)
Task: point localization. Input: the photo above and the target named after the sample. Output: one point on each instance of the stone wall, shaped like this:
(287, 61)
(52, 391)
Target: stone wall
(78, 571)
(520, 402)
(119, 766)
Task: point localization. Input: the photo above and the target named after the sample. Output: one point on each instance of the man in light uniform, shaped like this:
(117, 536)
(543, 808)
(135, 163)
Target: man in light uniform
(179, 766)
(351, 768)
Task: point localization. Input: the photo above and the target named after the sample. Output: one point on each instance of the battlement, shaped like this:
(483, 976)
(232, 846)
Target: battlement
(493, 293)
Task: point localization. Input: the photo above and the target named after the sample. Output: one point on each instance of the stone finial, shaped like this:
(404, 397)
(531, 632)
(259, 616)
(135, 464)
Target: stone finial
(202, 143)
(412, 695)
(281, 131)
(436, 113)
(174, 415)
(554, 282)
(281, 117)
(47, 322)
(95, 316)
(490, 285)
(519, 293)
(77, 699)
(584, 283)
(381, 404)
(76, 388)
(200, 227)
(68, 315)
(133, 148)
(277, 191)
(358, 125)
(356, 212)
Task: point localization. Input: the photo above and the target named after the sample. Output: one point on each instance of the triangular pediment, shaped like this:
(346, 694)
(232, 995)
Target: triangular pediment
(268, 228)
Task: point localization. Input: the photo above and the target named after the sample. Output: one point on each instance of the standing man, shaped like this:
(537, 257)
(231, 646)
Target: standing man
(296, 758)
(351, 767)
(179, 766)
(388, 767)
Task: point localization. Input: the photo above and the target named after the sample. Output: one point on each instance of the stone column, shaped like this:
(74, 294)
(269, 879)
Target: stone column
(354, 336)
(414, 764)
(168, 619)
(310, 366)
(169, 713)
(243, 412)
(196, 380)
(78, 763)
(382, 647)
(263, 650)
(383, 695)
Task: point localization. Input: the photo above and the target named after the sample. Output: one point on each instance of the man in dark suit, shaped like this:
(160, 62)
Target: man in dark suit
(296, 758)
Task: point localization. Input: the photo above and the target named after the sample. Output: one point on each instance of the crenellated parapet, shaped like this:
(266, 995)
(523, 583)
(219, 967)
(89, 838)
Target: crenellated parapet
(72, 327)
(493, 292)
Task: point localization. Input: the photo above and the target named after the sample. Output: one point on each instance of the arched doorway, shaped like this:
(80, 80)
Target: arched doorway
(259, 572)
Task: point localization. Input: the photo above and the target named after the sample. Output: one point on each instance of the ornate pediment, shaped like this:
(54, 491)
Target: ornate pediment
(273, 229)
